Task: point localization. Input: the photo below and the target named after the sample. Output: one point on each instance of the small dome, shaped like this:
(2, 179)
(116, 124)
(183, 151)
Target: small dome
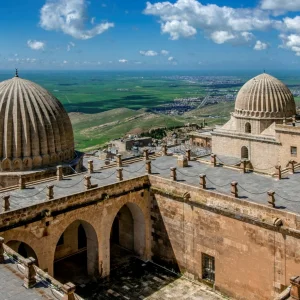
(35, 129)
(264, 96)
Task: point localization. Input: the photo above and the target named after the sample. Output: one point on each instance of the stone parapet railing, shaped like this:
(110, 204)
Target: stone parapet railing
(33, 274)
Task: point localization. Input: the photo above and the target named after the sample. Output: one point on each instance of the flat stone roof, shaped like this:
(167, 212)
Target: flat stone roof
(11, 284)
(252, 186)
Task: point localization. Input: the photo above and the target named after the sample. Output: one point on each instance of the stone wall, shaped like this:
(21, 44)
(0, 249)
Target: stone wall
(254, 259)
(263, 155)
(42, 225)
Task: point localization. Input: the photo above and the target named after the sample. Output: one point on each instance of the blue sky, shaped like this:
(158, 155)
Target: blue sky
(135, 34)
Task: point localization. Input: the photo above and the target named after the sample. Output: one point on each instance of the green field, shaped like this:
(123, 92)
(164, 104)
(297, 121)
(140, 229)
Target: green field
(107, 105)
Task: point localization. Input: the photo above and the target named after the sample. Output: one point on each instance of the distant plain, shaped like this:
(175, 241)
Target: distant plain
(106, 105)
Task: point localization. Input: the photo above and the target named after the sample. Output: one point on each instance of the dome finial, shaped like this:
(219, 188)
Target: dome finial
(16, 75)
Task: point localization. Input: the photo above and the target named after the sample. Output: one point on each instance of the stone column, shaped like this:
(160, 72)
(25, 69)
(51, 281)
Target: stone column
(244, 164)
(213, 159)
(234, 189)
(188, 154)
(59, 173)
(69, 291)
(1, 250)
(90, 166)
(173, 175)
(148, 167)
(203, 181)
(294, 120)
(29, 273)
(50, 192)
(87, 182)
(146, 154)
(292, 166)
(164, 150)
(119, 160)
(22, 185)
(5, 203)
(278, 168)
(120, 174)
(295, 290)
(271, 198)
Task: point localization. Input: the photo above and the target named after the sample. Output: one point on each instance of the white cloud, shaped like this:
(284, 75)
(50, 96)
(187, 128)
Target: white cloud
(171, 58)
(221, 37)
(123, 61)
(178, 29)
(281, 5)
(36, 45)
(291, 42)
(164, 52)
(65, 62)
(148, 53)
(69, 16)
(260, 46)
(185, 18)
(291, 24)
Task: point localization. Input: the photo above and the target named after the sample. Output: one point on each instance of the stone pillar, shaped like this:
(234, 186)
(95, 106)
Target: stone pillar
(146, 154)
(120, 174)
(295, 289)
(29, 273)
(50, 192)
(59, 173)
(213, 159)
(164, 150)
(271, 198)
(119, 160)
(1, 250)
(278, 168)
(90, 166)
(203, 181)
(244, 164)
(292, 166)
(234, 189)
(22, 185)
(182, 162)
(188, 154)
(148, 167)
(173, 175)
(5, 203)
(294, 120)
(87, 182)
(69, 291)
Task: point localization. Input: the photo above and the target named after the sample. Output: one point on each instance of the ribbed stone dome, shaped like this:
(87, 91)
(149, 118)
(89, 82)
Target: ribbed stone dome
(35, 130)
(264, 96)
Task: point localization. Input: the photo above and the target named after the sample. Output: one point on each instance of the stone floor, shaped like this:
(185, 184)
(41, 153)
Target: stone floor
(137, 280)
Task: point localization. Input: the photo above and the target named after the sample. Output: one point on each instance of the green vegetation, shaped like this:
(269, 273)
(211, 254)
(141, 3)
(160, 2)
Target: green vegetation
(92, 131)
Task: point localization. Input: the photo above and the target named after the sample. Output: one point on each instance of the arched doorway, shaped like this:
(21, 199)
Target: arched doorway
(244, 153)
(127, 237)
(76, 254)
(23, 249)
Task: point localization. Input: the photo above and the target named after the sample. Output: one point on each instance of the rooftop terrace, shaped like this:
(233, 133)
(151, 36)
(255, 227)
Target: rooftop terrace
(252, 186)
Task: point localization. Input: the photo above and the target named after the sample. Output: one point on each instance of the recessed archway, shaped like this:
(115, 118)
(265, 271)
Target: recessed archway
(248, 127)
(23, 249)
(76, 254)
(244, 153)
(128, 236)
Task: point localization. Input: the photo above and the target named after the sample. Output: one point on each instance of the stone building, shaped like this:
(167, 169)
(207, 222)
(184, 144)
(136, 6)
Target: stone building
(263, 127)
(235, 231)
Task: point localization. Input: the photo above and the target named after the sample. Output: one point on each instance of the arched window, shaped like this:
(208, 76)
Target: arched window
(244, 153)
(248, 127)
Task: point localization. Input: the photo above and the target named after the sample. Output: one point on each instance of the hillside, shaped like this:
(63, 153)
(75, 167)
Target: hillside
(93, 130)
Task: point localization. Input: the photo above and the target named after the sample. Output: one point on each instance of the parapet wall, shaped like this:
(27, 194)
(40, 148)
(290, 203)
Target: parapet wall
(254, 258)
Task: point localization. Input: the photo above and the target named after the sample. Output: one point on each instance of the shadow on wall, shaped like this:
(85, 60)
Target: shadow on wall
(162, 250)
